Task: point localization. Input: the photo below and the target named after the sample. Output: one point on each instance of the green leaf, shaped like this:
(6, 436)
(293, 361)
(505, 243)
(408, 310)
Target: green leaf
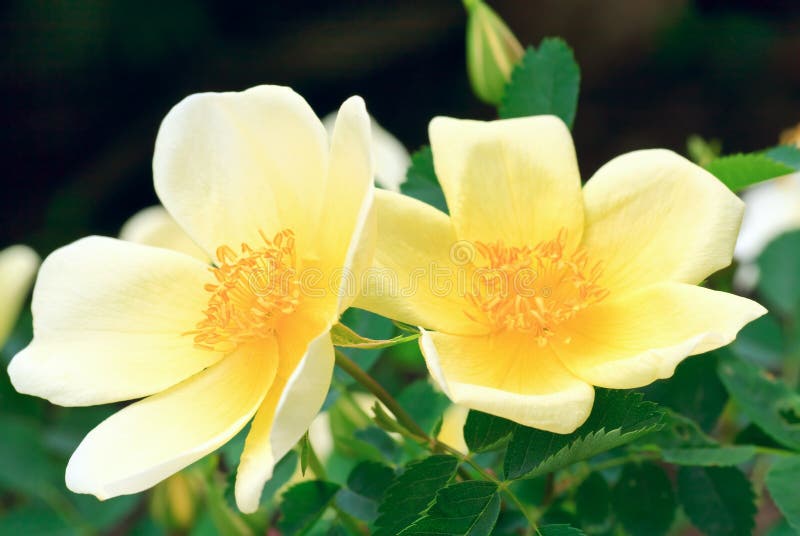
(366, 486)
(718, 500)
(380, 440)
(413, 492)
(483, 432)
(617, 417)
(303, 504)
(281, 473)
(782, 480)
(785, 154)
(545, 82)
(761, 342)
(345, 337)
(643, 499)
(305, 452)
(710, 456)
(593, 503)
(739, 171)
(424, 403)
(559, 530)
(769, 403)
(368, 325)
(34, 520)
(24, 464)
(421, 182)
(779, 282)
(465, 508)
(225, 519)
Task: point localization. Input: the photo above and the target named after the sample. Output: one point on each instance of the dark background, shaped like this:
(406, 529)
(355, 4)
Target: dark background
(84, 84)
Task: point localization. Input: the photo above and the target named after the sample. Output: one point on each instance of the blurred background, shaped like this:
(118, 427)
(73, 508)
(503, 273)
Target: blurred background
(85, 83)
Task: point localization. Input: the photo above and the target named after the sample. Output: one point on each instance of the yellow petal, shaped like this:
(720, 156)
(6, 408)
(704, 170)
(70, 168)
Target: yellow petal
(254, 160)
(108, 323)
(153, 226)
(452, 431)
(507, 376)
(300, 386)
(414, 277)
(150, 440)
(18, 265)
(513, 179)
(654, 216)
(642, 336)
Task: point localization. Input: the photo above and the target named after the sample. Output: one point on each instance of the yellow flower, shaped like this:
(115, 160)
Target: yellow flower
(18, 265)
(252, 178)
(452, 431)
(538, 290)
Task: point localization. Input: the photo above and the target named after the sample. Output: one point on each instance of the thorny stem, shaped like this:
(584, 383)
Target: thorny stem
(415, 432)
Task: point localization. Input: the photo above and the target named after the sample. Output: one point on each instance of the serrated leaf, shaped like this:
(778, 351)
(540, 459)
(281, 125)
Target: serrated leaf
(465, 508)
(559, 530)
(593, 503)
(413, 492)
(345, 337)
(718, 500)
(421, 182)
(769, 403)
(617, 417)
(739, 171)
(366, 486)
(782, 480)
(303, 504)
(484, 432)
(710, 456)
(643, 499)
(779, 266)
(545, 82)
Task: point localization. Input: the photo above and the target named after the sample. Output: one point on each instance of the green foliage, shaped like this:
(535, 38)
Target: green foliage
(545, 82)
(483, 432)
(618, 417)
(303, 504)
(739, 171)
(769, 403)
(779, 282)
(413, 492)
(345, 337)
(559, 530)
(421, 182)
(366, 486)
(761, 342)
(785, 154)
(710, 456)
(464, 508)
(643, 499)
(782, 482)
(718, 500)
(593, 503)
(424, 403)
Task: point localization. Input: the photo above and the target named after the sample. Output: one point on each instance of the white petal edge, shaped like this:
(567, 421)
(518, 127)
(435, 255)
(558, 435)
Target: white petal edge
(18, 266)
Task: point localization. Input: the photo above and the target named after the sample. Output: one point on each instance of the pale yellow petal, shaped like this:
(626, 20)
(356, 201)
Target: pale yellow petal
(514, 180)
(109, 319)
(452, 431)
(18, 266)
(295, 398)
(418, 260)
(229, 164)
(153, 226)
(654, 216)
(150, 440)
(508, 376)
(642, 336)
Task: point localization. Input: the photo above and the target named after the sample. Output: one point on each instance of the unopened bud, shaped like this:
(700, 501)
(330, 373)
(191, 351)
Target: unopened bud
(174, 502)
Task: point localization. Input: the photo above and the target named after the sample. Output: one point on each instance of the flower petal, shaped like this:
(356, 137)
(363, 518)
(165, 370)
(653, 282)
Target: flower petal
(256, 160)
(642, 336)
(508, 376)
(18, 265)
(295, 398)
(150, 440)
(153, 226)
(108, 323)
(654, 216)
(416, 266)
(513, 179)
(771, 208)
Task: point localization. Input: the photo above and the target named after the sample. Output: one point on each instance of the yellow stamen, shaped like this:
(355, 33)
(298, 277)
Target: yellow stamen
(253, 290)
(533, 289)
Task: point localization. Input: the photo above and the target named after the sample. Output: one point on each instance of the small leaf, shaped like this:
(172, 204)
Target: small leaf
(739, 171)
(718, 500)
(483, 432)
(782, 480)
(643, 499)
(785, 154)
(617, 417)
(413, 492)
(559, 530)
(545, 82)
(366, 486)
(593, 503)
(767, 402)
(305, 452)
(303, 504)
(380, 440)
(421, 182)
(347, 338)
(465, 508)
(710, 456)
(779, 265)
(424, 403)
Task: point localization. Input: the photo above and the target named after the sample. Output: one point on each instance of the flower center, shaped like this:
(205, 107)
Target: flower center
(254, 289)
(533, 289)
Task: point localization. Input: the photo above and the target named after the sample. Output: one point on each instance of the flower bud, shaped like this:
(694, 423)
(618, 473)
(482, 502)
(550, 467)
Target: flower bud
(174, 502)
(492, 51)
